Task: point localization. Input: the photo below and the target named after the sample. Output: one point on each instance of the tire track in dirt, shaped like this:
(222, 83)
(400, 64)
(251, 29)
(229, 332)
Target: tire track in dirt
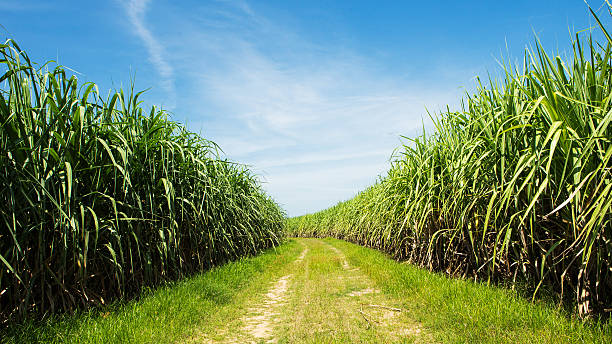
(373, 306)
(345, 264)
(303, 255)
(321, 297)
(260, 322)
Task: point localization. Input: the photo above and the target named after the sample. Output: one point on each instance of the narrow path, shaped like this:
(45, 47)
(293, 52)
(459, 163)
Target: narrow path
(259, 324)
(322, 298)
(335, 302)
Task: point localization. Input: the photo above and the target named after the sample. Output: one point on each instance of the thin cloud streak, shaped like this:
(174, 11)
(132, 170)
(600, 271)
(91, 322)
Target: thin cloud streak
(318, 122)
(136, 10)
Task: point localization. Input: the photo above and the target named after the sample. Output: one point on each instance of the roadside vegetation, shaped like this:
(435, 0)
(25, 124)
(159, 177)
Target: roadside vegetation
(101, 198)
(515, 188)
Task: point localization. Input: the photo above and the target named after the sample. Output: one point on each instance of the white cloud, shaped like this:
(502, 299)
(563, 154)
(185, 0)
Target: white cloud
(136, 10)
(318, 122)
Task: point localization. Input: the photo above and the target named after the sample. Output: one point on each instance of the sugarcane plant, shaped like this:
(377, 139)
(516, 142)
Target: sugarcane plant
(99, 197)
(514, 187)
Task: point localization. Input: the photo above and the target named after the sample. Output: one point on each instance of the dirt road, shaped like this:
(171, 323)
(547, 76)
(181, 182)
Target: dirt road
(321, 298)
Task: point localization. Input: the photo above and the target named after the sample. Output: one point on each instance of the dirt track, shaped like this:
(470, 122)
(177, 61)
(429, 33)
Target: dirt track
(322, 298)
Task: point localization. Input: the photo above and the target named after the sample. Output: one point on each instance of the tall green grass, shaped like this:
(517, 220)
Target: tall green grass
(99, 198)
(515, 186)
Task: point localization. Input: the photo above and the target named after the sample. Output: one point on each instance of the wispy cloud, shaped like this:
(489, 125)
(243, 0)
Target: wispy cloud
(319, 122)
(136, 10)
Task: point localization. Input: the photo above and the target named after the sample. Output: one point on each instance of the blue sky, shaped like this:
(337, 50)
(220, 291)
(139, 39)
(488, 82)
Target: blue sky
(313, 95)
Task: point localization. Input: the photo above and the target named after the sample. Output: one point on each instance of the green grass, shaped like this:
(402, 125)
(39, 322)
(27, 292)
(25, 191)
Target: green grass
(175, 312)
(516, 186)
(323, 307)
(102, 197)
(212, 305)
(461, 311)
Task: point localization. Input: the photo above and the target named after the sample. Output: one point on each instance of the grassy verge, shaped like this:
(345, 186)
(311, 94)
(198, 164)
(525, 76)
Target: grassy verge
(461, 311)
(171, 313)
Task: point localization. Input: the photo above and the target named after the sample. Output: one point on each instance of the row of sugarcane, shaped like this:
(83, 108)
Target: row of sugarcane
(516, 187)
(100, 198)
